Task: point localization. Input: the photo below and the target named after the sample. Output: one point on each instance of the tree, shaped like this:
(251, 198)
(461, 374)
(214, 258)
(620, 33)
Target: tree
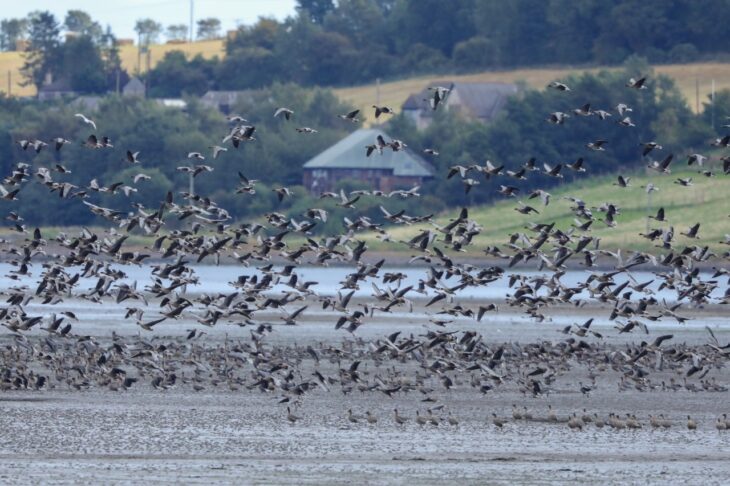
(177, 32)
(316, 10)
(360, 20)
(11, 31)
(174, 75)
(148, 31)
(253, 67)
(109, 51)
(88, 76)
(81, 23)
(428, 22)
(477, 52)
(209, 28)
(718, 113)
(264, 33)
(43, 53)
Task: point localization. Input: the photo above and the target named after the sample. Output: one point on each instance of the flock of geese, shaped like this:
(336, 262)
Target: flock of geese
(188, 229)
(522, 416)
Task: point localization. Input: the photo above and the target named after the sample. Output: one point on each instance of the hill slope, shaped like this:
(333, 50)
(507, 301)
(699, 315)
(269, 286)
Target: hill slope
(394, 93)
(704, 202)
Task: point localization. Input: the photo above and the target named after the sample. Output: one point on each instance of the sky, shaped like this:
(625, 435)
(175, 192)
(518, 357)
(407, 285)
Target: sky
(122, 14)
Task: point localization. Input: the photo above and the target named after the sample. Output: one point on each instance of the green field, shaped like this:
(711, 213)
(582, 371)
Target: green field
(705, 202)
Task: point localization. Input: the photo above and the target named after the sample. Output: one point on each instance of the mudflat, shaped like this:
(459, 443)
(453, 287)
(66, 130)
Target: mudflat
(205, 428)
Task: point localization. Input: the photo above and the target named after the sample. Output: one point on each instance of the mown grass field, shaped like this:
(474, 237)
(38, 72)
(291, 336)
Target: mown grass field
(705, 202)
(11, 62)
(394, 93)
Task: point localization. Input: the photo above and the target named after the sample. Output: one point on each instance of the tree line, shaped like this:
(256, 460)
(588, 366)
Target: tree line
(351, 42)
(17, 30)
(348, 42)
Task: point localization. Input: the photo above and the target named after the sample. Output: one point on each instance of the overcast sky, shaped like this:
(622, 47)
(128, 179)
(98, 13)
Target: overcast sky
(122, 14)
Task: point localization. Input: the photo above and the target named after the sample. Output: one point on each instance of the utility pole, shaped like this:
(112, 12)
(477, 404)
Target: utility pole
(139, 53)
(377, 95)
(191, 19)
(712, 103)
(648, 207)
(147, 77)
(697, 96)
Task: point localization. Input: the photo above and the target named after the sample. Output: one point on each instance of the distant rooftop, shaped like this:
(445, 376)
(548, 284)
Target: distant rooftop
(224, 97)
(483, 100)
(350, 153)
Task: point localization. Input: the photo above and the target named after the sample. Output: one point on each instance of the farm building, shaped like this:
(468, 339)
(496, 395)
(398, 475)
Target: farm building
(474, 101)
(224, 101)
(347, 159)
(54, 90)
(134, 87)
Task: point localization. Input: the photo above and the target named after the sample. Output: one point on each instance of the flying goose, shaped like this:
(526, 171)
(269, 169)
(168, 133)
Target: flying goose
(648, 147)
(439, 96)
(622, 181)
(217, 149)
(662, 166)
(636, 83)
(59, 142)
(351, 116)
(132, 157)
(283, 111)
(557, 118)
(597, 145)
(556, 85)
(576, 166)
(86, 120)
(382, 110)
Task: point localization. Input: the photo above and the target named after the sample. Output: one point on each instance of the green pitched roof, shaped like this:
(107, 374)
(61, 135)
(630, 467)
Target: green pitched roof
(349, 153)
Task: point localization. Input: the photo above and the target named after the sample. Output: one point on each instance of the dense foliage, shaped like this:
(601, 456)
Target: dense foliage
(88, 60)
(355, 41)
(328, 43)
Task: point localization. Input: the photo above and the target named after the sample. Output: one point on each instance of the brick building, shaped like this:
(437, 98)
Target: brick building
(347, 159)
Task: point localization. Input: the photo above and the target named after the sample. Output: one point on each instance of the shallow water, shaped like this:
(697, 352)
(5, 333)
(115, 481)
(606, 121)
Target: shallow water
(235, 437)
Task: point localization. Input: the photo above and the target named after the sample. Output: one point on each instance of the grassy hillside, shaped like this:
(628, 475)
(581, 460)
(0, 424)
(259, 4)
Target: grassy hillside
(394, 93)
(705, 202)
(10, 62)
